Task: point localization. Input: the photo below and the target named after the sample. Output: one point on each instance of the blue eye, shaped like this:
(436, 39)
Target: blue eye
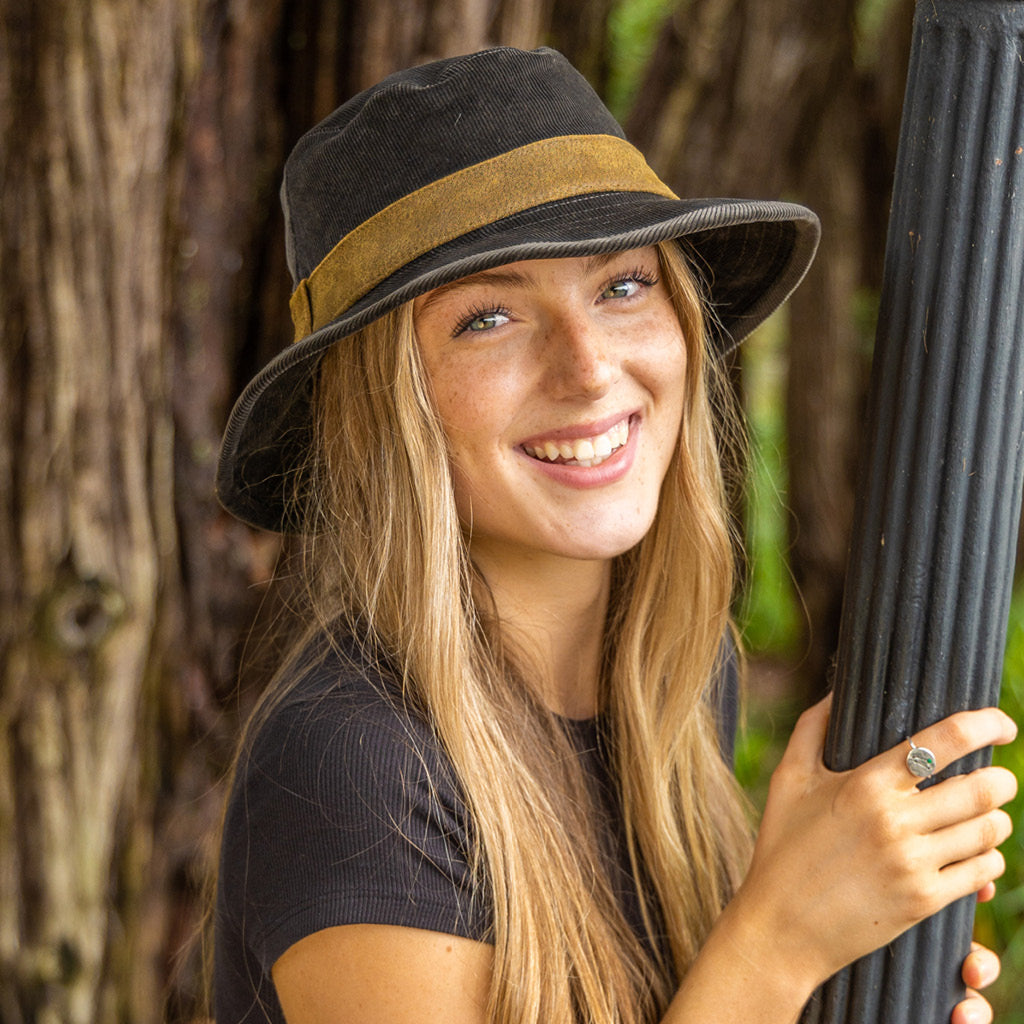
(628, 285)
(479, 321)
(621, 289)
(487, 321)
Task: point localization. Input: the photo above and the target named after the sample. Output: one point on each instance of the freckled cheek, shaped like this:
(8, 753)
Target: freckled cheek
(475, 411)
(477, 478)
(475, 405)
(667, 382)
(671, 371)
(465, 419)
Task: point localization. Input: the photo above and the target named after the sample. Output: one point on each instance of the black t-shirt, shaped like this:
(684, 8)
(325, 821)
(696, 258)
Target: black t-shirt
(345, 810)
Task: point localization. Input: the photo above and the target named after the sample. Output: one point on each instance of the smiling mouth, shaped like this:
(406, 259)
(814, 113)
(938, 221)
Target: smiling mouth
(584, 451)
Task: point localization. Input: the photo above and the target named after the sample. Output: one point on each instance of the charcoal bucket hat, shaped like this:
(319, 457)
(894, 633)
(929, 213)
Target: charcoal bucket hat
(453, 167)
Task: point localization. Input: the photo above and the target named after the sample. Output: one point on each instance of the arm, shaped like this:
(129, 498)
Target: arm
(383, 974)
(843, 864)
(393, 975)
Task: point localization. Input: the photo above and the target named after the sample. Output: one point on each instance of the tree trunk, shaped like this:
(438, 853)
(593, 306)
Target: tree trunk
(92, 93)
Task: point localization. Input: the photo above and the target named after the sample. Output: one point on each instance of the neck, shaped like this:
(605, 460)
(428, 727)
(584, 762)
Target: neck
(554, 610)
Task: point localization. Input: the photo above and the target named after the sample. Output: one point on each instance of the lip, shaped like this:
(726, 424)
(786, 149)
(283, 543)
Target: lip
(614, 468)
(582, 430)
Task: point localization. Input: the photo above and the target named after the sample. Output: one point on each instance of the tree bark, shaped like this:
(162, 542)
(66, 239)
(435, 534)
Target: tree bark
(91, 91)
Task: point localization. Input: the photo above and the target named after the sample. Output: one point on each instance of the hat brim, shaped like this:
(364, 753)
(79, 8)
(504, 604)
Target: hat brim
(749, 254)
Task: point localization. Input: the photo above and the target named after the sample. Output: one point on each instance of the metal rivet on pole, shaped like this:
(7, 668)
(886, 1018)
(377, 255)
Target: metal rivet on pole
(931, 566)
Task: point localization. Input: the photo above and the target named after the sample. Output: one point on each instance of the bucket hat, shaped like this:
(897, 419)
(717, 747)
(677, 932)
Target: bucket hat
(449, 168)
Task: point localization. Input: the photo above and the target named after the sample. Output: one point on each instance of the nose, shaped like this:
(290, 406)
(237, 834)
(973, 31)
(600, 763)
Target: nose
(580, 356)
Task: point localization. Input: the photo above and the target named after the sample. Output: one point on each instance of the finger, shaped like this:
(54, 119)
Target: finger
(807, 742)
(987, 892)
(954, 737)
(981, 967)
(971, 838)
(975, 1009)
(962, 797)
(968, 876)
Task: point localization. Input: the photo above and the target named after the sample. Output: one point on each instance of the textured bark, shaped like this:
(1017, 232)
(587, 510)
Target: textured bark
(579, 28)
(91, 92)
(525, 23)
(732, 91)
(233, 144)
(393, 34)
(823, 390)
(845, 173)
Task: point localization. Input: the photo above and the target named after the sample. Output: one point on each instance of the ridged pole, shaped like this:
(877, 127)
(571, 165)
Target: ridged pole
(931, 563)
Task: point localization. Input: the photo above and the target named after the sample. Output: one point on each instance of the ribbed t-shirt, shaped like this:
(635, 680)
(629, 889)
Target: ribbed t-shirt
(345, 810)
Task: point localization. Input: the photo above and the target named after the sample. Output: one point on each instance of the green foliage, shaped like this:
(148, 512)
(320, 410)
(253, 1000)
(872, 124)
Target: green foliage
(632, 32)
(769, 719)
(769, 615)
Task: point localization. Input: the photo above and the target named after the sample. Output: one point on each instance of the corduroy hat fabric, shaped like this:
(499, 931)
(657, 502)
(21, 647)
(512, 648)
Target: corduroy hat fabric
(449, 168)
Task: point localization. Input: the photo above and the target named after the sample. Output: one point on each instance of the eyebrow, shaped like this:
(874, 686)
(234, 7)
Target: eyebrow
(507, 278)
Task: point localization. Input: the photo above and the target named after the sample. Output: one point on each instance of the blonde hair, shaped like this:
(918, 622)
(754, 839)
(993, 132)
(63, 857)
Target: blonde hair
(385, 552)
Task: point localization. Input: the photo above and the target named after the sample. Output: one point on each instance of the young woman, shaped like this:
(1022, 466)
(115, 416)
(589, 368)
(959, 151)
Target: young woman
(492, 781)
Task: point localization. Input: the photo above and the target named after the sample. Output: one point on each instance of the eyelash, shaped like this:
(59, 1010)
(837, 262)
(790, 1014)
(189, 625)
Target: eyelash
(638, 274)
(474, 313)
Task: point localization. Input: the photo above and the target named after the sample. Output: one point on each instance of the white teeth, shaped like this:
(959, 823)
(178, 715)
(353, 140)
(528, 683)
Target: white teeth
(587, 451)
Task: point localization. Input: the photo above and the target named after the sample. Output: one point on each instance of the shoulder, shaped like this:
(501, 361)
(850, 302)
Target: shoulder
(342, 717)
(345, 749)
(345, 809)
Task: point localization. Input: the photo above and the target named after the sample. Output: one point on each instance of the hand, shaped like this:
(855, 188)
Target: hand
(846, 861)
(980, 969)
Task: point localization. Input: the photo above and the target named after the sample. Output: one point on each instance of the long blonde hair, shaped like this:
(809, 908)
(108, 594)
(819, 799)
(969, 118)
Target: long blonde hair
(384, 553)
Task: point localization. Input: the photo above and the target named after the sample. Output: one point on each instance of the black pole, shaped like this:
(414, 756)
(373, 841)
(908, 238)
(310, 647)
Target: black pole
(931, 564)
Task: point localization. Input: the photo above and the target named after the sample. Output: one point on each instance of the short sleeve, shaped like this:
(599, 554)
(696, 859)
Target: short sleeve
(344, 810)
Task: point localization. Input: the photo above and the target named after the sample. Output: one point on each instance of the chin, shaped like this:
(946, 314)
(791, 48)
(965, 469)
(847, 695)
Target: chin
(595, 548)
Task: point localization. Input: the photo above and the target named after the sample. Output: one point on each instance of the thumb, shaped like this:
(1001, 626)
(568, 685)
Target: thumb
(807, 744)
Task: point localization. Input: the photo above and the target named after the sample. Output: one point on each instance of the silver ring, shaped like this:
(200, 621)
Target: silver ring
(920, 761)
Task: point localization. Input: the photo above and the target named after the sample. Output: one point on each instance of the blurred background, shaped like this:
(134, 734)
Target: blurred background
(142, 282)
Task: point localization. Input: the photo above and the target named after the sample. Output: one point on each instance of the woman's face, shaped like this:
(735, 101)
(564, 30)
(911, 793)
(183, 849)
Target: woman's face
(560, 385)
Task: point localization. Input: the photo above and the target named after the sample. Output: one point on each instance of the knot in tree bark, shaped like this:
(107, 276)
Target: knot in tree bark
(81, 613)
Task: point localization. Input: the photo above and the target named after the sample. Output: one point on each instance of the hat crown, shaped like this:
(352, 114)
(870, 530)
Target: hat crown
(423, 124)
(454, 167)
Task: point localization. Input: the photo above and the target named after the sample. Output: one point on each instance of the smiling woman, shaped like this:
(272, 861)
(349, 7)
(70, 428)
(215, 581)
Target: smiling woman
(492, 782)
(561, 394)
